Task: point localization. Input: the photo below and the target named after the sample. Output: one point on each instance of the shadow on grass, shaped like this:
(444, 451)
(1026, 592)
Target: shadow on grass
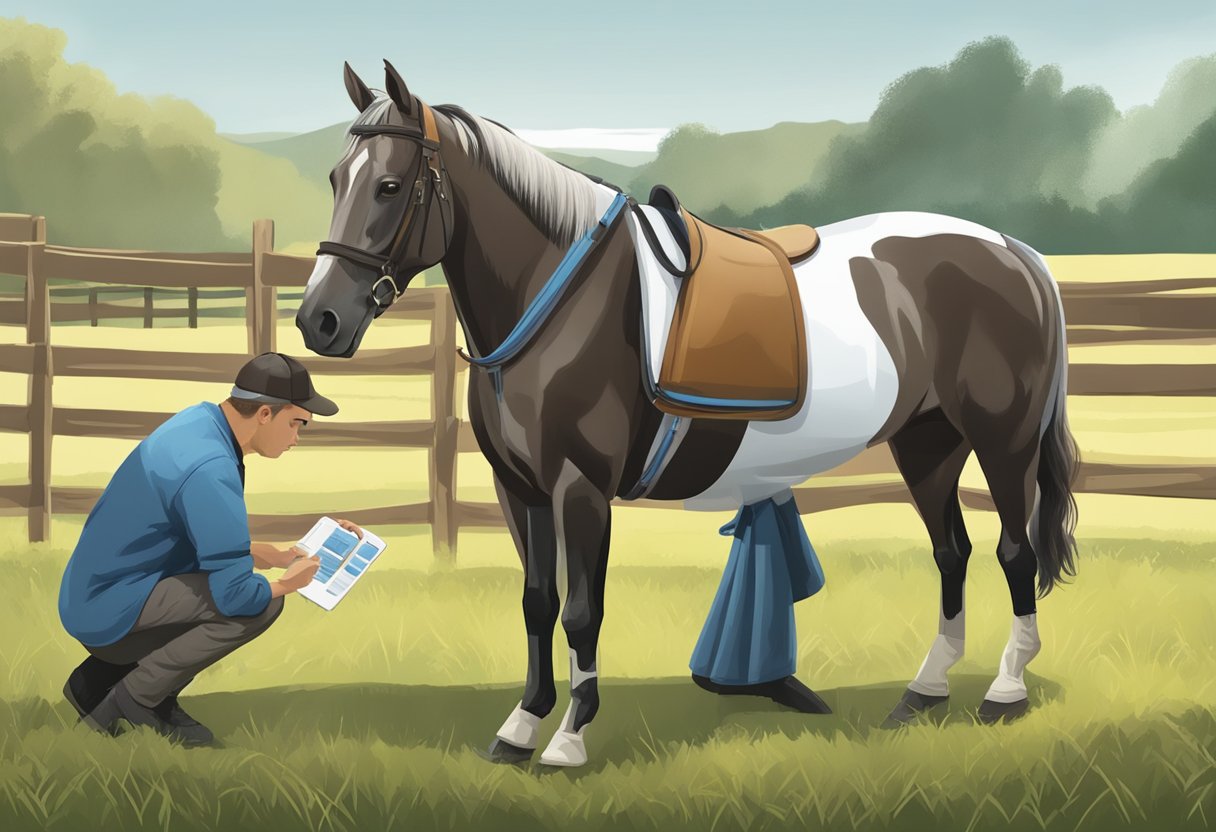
(638, 719)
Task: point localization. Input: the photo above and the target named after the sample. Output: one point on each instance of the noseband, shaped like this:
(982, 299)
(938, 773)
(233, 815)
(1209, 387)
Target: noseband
(429, 180)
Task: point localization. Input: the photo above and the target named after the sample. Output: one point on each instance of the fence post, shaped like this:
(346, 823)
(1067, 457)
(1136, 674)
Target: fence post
(147, 307)
(251, 297)
(93, 306)
(38, 334)
(192, 307)
(444, 522)
(265, 298)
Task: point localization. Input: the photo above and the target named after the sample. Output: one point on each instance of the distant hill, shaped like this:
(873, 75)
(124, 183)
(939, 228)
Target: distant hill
(745, 170)
(313, 153)
(625, 158)
(254, 138)
(617, 174)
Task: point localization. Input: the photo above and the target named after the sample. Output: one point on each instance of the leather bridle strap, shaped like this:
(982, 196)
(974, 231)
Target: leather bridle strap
(421, 196)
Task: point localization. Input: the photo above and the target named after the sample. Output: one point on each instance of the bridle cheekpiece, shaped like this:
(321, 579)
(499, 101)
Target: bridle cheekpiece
(429, 191)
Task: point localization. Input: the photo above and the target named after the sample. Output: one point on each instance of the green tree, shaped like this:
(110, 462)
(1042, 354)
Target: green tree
(108, 170)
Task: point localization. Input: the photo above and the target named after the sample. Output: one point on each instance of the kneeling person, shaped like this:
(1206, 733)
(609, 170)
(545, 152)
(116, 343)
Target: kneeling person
(161, 583)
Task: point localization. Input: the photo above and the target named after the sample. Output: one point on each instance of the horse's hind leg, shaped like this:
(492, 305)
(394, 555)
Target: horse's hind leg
(533, 530)
(930, 454)
(1011, 477)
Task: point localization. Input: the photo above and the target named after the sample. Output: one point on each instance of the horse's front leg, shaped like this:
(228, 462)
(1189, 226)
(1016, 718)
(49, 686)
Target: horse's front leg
(583, 517)
(533, 530)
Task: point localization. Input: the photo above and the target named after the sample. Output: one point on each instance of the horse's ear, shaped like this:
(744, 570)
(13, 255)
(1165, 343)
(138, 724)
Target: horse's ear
(397, 89)
(359, 93)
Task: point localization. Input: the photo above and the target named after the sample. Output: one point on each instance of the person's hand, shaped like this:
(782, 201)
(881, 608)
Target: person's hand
(299, 574)
(284, 558)
(270, 556)
(351, 527)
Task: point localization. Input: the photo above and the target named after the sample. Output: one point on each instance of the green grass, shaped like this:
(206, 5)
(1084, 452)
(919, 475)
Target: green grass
(369, 717)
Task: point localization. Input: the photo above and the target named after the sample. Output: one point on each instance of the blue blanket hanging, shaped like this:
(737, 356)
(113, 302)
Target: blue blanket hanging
(749, 635)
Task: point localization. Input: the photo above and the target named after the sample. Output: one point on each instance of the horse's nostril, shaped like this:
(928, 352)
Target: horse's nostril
(329, 324)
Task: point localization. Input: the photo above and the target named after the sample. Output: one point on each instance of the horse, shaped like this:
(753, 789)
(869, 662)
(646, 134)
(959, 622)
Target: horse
(935, 335)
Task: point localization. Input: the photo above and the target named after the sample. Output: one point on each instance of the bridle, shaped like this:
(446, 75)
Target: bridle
(430, 179)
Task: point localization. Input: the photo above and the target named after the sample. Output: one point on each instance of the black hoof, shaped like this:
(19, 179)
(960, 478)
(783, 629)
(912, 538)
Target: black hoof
(911, 705)
(993, 712)
(504, 753)
(788, 692)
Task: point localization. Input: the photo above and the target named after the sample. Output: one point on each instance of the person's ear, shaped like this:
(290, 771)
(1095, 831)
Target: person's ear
(264, 414)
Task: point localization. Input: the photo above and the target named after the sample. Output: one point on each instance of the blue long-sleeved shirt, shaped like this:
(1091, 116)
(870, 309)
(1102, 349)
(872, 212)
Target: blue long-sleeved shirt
(175, 505)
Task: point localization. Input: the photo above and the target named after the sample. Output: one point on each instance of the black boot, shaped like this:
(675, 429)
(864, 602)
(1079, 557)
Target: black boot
(89, 683)
(173, 713)
(119, 705)
(788, 692)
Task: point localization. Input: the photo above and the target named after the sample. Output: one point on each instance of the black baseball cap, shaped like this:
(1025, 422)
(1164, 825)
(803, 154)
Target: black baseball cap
(274, 378)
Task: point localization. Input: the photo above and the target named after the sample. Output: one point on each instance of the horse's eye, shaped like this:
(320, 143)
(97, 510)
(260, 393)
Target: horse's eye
(389, 189)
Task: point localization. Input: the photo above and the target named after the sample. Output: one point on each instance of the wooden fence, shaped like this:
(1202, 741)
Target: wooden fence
(260, 275)
(97, 309)
(1098, 313)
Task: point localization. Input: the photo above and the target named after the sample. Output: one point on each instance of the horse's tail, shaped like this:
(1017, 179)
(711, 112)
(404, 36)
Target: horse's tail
(1055, 515)
(1054, 518)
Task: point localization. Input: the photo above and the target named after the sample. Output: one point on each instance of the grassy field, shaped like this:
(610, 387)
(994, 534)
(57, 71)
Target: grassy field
(369, 717)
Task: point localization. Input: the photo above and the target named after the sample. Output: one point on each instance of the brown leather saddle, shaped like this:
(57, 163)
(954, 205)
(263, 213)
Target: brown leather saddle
(737, 344)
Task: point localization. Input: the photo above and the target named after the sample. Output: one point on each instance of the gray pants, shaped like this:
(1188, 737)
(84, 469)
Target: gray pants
(179, 633)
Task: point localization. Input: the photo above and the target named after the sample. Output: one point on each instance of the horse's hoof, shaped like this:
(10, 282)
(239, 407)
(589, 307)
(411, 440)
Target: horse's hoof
(993, 712)
(520, 729)
(911, 705)
(566, 749)
(502, 752)
(788, 692)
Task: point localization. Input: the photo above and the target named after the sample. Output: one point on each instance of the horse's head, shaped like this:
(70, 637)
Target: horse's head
(392, 216)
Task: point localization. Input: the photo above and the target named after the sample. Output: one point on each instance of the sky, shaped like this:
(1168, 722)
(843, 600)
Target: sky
(635, 66)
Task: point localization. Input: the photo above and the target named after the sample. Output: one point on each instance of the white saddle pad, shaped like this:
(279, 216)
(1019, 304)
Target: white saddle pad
(659, 286)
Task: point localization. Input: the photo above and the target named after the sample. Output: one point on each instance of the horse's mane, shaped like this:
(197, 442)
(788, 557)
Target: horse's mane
(559, 200)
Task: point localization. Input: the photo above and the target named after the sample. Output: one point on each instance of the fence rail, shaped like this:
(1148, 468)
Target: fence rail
(1098, 313)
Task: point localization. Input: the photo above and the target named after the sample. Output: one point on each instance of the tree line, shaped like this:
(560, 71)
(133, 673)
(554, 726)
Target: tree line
(987, 137)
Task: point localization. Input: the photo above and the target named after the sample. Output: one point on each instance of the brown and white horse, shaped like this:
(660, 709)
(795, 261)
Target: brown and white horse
(931, 333)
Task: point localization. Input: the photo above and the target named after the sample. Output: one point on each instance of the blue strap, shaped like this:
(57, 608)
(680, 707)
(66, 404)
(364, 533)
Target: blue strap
(710, 402)
(546, 300)
(657, 463)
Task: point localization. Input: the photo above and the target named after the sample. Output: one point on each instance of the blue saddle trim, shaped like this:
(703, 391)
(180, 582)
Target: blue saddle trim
(707, 401)
(546, 299)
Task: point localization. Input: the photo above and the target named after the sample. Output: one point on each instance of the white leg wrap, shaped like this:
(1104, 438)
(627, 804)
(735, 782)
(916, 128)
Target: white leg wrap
(945, 652)
(577, 677)
(1023, 646)
(567, 747)
(520, 729)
